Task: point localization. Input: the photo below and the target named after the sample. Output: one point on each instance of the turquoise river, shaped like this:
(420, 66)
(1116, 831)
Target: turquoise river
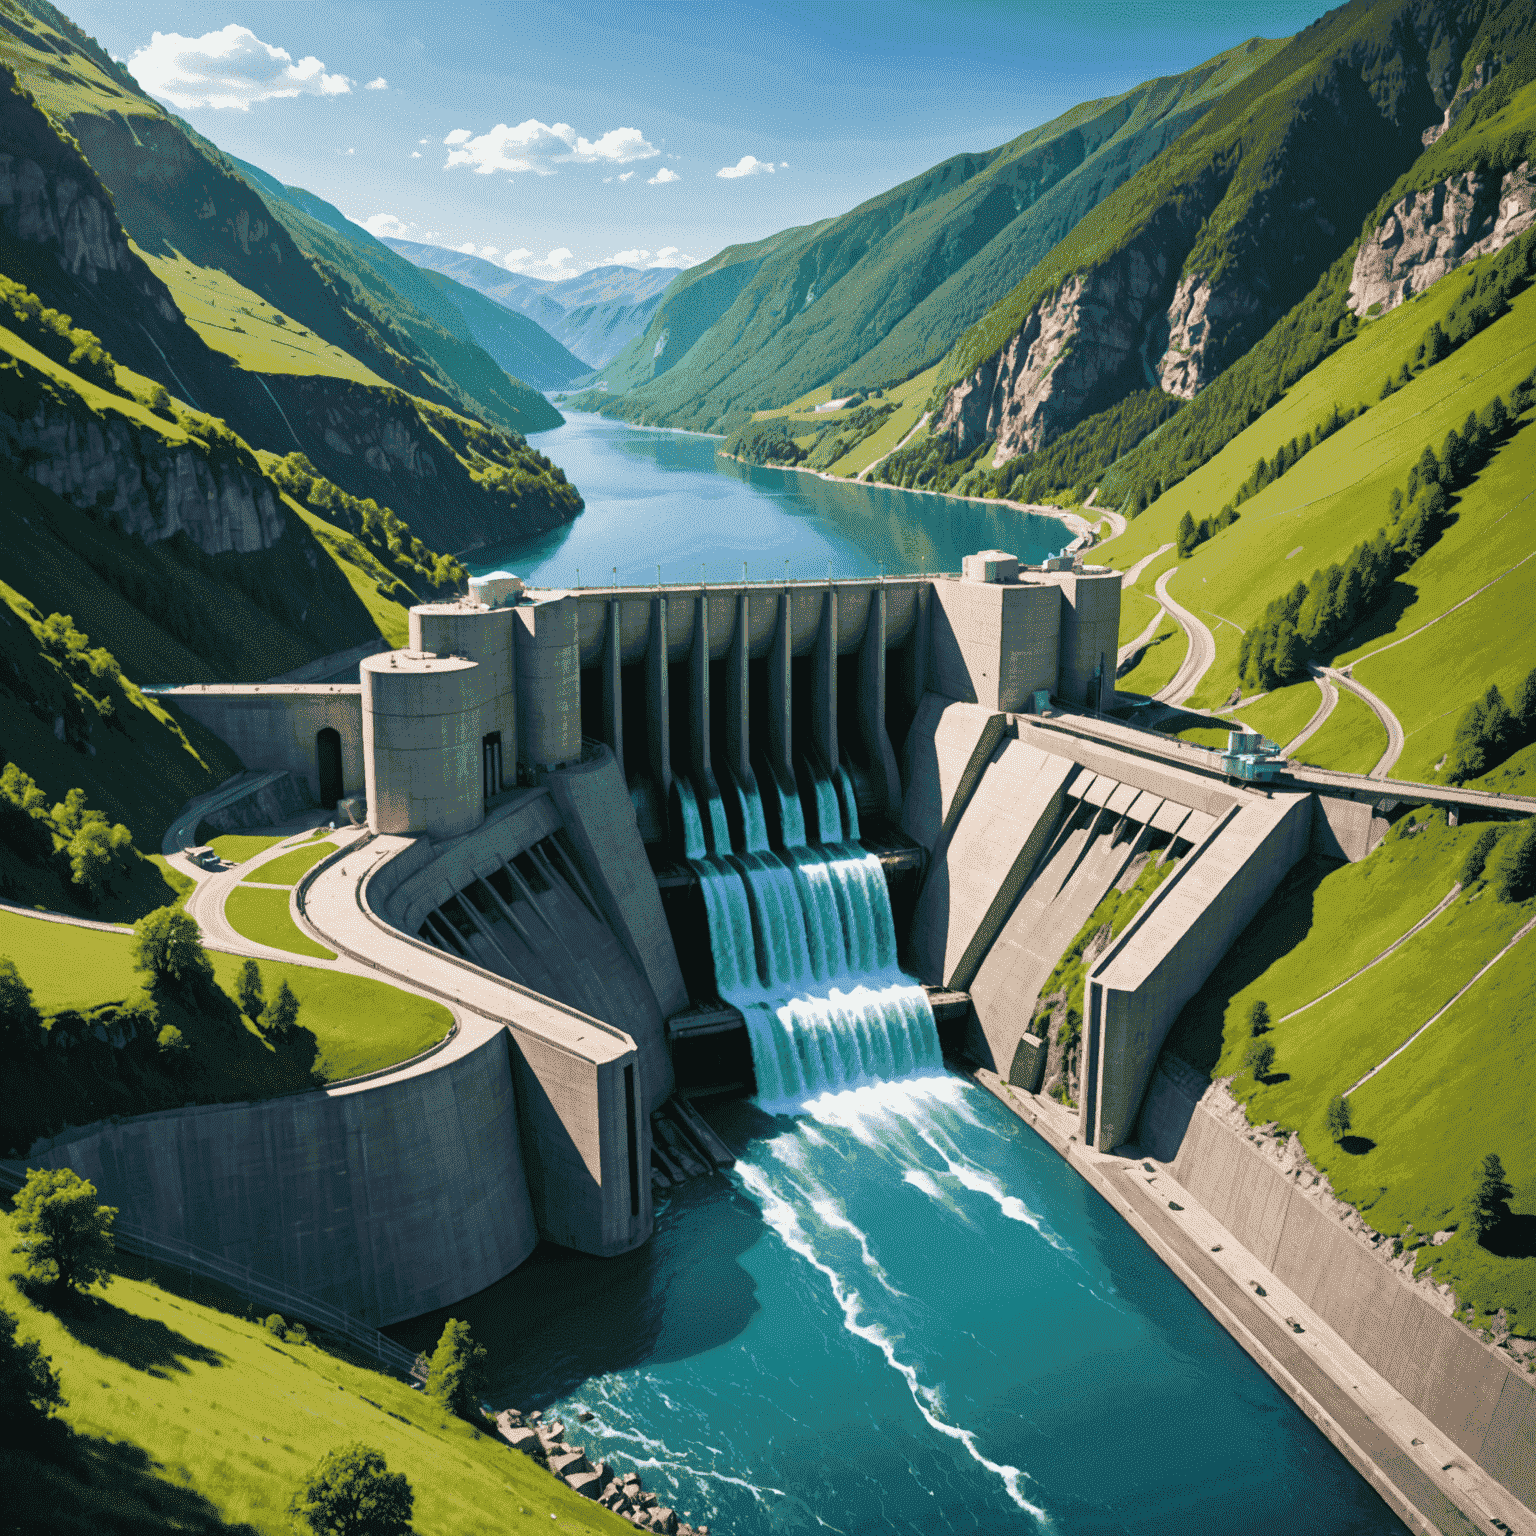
(900, 1312)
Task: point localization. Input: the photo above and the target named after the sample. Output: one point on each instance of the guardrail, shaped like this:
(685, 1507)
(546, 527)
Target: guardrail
(295, 1306)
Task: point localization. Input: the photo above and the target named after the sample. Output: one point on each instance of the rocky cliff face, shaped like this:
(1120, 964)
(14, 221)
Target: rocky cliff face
(1200, 321)
(152, 488)
(1432, 232)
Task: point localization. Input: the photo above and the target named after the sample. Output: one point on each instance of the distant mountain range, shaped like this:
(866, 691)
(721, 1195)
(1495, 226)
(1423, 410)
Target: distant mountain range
(595, 315)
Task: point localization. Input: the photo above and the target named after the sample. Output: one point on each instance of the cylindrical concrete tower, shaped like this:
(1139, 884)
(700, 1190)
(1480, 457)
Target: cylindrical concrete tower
(1090, 635)
(483, 635)
(548, 682)
(422, 743)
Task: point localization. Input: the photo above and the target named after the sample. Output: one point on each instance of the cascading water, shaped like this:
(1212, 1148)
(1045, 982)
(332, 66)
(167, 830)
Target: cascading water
(805, 946)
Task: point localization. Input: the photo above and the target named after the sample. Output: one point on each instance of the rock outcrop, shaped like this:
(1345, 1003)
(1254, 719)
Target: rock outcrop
(1070, 347)
(1200, 320)
(151, 487)
(1432, 232)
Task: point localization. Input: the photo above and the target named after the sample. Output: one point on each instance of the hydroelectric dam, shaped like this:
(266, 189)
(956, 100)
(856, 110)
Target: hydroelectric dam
(789, 838)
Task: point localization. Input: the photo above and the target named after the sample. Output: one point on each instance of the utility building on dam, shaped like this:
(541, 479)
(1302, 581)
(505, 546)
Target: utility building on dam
(532, 771)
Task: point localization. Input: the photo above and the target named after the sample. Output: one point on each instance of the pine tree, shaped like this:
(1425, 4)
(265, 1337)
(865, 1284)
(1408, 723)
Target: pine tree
(1489, 1204)
(1185, 536)
(1338, 1117)
(282, 1012)
(456, 1376)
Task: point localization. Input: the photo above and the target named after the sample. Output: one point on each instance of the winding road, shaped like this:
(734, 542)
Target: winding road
(1395, 738)
(1201, 655)
(1314, 725)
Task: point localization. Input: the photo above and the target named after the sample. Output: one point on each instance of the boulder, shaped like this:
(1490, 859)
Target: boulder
(616, 1499)
(605, 1473)
(664, 1520)
(585, 1483)
(586, 1415)
(524, 1440)
(568, 1465)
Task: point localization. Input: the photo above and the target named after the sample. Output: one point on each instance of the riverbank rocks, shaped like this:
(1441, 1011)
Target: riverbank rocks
(623, 1493)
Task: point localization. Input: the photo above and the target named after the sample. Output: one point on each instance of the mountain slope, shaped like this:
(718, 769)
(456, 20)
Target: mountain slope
(420, 307)
(880, 293)
(1186, 266)
(593, 314)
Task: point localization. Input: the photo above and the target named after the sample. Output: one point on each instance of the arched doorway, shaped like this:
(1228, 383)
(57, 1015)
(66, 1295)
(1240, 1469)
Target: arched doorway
(328, 761)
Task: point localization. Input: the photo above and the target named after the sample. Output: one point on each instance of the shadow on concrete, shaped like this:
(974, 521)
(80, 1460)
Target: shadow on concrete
(1357, 1146)
(1280, 925)
(1513, 1238)
(82, 1486)
(145, 1343)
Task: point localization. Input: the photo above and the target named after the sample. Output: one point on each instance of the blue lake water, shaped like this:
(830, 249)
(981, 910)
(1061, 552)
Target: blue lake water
(663, 498)
(901, 1312)
(904, 1313)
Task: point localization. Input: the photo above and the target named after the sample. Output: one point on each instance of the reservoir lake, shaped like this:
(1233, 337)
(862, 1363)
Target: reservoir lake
(901, 1311)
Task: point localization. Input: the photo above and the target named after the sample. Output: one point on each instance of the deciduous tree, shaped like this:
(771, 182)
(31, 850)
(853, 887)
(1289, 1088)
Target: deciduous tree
(352, 1492)
(66, 1236)
(456, 1375)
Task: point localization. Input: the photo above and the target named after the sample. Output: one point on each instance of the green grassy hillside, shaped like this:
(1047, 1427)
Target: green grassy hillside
(188, 1416)
(1339, 494)
(882, 292)
(1422, 1126)
(83, 977)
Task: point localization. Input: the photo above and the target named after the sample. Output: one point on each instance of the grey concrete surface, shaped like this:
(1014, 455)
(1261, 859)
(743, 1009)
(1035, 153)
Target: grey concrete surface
(995, 643)
(387, 1200)
(978, 872)
(947, 749)
(273, 726)
(1468, 1391)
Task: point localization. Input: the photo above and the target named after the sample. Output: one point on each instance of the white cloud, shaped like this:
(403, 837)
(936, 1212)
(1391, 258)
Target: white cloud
(469, 248)
(667, 256)
(423, 141)
(748, 165)
(349, 151)
(662, 177)
(380, 84)
(539, 147)
(228, 68)
(386, 226)
(415, 154)
(626, 175)
(558, 263)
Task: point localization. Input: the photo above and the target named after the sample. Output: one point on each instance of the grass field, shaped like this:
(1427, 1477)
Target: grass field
(1213, 735)
(243, 325)
(1350, 740)
(1159, 661)
(1459, 1092)
(263, 918)
(1281, 714)
(359, 1024)
(1337, 495)
(237, 847)
(188, 1417)
(1136, 610)
(290, 868)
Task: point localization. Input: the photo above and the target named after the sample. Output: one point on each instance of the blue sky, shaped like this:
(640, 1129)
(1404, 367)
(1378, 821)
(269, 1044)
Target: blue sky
(561, 136)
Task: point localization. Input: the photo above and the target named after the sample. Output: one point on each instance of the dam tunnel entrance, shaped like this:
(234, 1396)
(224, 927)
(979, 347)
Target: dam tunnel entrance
(594, 725)
(900, 695)
(328, 765)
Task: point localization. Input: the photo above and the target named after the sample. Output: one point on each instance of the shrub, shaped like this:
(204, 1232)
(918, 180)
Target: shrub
(1477, 855)
(172, 1044)
(29, 1388)
(1258, 1018)
(18, 1013)
(456, 1375)
(275, 1323)
(1338, 1117)
(66, 1237)
(169, 945)
(249, 991)
(1259, 1059)
(1489, 1203)
(352, 1492)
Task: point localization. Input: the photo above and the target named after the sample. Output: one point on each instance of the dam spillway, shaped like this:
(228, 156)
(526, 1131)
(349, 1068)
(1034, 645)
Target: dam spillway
(804, 945)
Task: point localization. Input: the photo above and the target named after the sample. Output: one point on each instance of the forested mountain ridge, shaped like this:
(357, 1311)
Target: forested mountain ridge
(881, 292)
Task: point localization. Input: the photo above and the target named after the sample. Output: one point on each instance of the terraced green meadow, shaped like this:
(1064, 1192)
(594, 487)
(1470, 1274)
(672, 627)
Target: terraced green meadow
(1427, 1119)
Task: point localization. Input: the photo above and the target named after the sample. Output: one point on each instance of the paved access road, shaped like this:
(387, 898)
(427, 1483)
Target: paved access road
(1201, 655)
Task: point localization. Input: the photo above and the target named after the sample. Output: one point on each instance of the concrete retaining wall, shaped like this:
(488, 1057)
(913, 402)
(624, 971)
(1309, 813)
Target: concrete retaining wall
(978, 873)
(1464, 1389)
(947, 750)
(273, 725)
(387, 1199)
